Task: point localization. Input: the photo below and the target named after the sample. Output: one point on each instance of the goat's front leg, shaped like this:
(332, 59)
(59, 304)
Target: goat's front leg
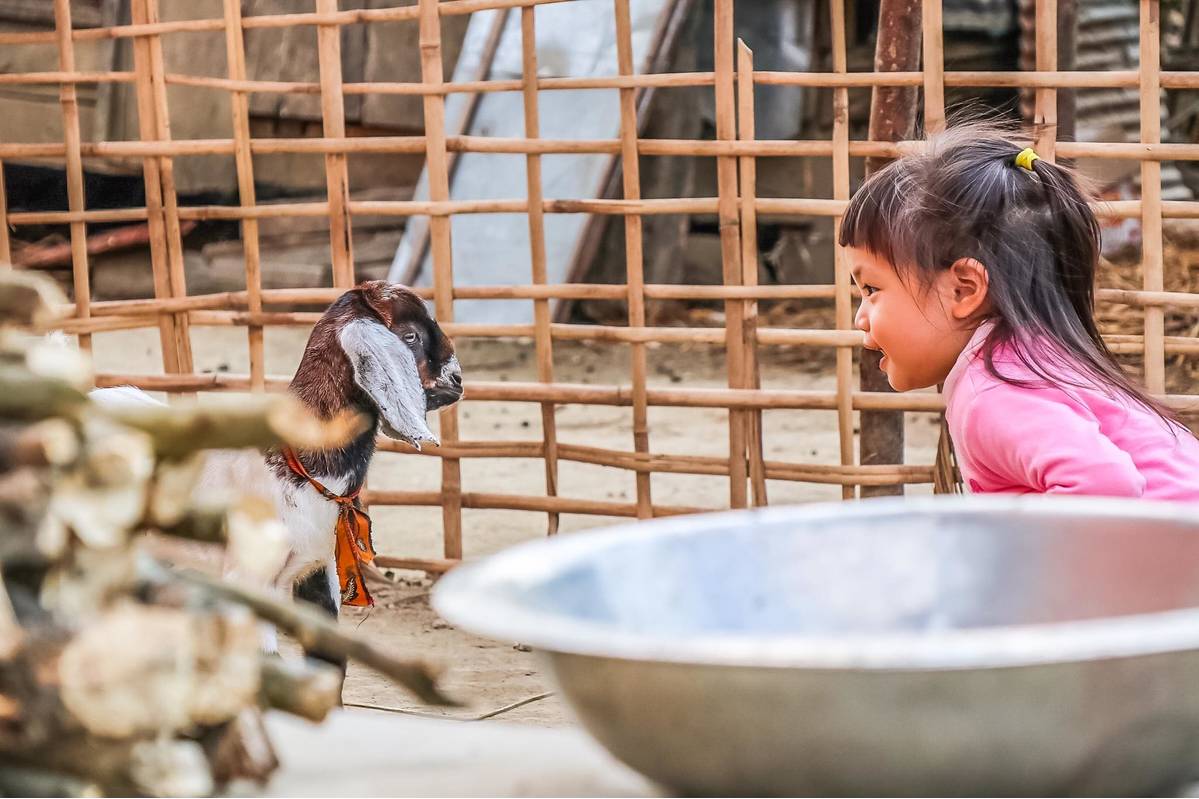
(321, 588)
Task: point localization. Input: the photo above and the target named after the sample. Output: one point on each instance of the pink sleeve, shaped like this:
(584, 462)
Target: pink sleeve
(1046, 441)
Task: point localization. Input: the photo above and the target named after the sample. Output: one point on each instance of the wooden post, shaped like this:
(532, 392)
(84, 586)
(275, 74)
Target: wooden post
(892, 118)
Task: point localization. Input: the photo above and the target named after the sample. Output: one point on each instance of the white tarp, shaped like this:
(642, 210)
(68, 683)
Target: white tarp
(574, 39)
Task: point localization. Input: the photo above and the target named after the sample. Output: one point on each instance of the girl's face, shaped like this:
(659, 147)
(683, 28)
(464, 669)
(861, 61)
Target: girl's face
(920, 330)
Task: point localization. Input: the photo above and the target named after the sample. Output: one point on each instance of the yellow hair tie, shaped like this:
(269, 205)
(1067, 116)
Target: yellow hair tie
(1026, 157)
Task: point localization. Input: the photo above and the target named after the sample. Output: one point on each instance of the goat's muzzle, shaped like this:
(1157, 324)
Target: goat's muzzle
(447, 389)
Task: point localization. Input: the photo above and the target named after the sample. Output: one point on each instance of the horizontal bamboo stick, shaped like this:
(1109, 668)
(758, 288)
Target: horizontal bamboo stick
(761, 148)
(38, 78)
(237, 300)
(571, 393)
(431, 565)
(1174, 209)
(350, 17)
(1113, 79)
(481, 501)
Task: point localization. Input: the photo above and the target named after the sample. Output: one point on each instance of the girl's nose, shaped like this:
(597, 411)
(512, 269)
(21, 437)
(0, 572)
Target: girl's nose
(860, 321)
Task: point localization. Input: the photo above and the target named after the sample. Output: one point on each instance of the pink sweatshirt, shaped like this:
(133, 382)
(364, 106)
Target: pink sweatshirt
(1066, 440)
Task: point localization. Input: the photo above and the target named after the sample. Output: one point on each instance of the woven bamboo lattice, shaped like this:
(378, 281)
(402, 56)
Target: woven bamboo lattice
(736, 206)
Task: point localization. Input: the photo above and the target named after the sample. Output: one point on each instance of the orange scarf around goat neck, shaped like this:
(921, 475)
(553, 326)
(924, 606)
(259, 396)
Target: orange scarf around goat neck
(352, 534)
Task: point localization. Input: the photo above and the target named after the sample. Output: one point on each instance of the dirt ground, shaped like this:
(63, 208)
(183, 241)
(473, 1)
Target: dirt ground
(493, 675)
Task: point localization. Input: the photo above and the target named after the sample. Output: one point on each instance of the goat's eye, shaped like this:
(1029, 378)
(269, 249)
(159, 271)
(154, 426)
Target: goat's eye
(409, 337)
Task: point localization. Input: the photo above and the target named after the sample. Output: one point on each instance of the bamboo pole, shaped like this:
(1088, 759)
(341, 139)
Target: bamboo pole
(730, 247)
(74, 167)
(5, 238)
(443, 270)
(333, 120)
(892, 118)
(1045, 101)
(235, 54)
(1152, 266)
(751, 377)
(634, 254)
(543, 337)
(1060, 79)
(170, 198)
(934, 67)
(762, 148)
(844, 309)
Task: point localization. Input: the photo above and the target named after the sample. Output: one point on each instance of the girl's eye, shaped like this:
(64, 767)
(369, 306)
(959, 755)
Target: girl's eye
(868, 290)
(409, 337)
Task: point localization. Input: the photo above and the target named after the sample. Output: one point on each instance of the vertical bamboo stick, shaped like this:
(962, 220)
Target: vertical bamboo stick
(333, 116)
(843, 299)
(1151, 194)
(634, 255)
(74, 166)
(5, 239)
(543, 340)
(730, 245)
(235, 54)
(1045, 103)
(934, 67)
(147, 129)
(892, 118)
(443, 268)
(749, 265)
(170, 199)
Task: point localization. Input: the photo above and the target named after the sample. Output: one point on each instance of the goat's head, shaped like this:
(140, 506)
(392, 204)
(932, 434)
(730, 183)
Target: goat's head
(398, 359)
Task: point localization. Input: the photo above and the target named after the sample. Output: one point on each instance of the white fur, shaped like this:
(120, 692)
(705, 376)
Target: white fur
(307, 517)
(386, 370)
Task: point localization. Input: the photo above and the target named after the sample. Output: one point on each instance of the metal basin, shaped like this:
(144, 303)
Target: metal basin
(947, 646)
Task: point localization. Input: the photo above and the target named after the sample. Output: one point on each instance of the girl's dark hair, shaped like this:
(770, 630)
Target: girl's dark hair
(963, 196)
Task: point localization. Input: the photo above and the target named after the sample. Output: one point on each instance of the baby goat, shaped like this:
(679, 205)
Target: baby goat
(377, 351)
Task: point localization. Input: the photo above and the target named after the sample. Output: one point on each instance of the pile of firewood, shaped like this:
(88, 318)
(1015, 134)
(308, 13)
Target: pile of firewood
(118, 674)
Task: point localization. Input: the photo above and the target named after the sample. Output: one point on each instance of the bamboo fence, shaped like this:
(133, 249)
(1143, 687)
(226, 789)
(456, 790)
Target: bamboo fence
(736, 205)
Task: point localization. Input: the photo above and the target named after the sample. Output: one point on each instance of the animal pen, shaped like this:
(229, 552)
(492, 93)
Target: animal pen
(735, 149)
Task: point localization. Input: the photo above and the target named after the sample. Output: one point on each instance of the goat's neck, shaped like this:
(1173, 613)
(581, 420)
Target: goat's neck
(325, 385)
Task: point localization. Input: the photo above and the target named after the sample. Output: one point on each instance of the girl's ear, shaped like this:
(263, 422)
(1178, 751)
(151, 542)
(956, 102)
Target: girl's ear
(969, 282)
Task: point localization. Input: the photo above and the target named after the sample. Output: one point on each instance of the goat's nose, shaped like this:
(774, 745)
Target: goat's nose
(456, 378)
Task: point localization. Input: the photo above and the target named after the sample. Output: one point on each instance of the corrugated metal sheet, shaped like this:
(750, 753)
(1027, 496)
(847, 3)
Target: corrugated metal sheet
(1108, 38)
(993, 17)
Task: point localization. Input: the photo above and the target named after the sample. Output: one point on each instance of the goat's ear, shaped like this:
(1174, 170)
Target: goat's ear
(375, 293)
(387, 371)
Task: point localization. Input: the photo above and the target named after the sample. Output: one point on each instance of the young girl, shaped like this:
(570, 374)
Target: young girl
(976, 262)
